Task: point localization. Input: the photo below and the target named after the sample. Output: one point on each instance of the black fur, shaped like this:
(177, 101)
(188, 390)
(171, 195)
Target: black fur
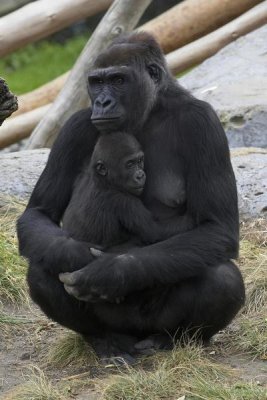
(186, 282)
(105, 208)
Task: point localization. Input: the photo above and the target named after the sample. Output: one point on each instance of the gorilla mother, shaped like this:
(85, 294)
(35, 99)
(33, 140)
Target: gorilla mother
(186, 283)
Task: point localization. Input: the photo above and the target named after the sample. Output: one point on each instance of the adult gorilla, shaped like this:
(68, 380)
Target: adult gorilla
(184, 283)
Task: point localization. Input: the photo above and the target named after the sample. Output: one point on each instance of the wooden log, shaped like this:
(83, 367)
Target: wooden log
(177, 61)
(192, 19)
(42, 18)
(6, 6)
(197, 51)
(15, 129)
(48, 92)
(43, 95)
(122, 16)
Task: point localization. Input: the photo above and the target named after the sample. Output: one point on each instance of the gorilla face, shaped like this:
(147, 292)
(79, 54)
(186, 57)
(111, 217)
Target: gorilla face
(109, 89)
(124, 87)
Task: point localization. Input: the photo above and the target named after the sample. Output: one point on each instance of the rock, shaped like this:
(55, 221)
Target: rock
(20, 171)
(234, 81)
(250, 166)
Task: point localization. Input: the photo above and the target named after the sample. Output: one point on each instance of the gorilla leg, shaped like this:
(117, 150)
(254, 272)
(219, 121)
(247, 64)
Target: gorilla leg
(198, 308)
(49, 293)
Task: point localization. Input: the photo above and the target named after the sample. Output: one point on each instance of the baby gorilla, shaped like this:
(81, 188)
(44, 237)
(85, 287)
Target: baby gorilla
(105, 207)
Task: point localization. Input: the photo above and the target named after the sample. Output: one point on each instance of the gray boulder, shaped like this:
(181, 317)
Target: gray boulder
(20, 171)
(250, 166)
(234, 81)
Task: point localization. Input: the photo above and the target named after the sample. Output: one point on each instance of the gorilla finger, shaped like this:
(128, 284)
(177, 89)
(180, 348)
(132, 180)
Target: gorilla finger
(144, 344)
(71, 290)
(69, 278)
(119, 300)
(96, 253)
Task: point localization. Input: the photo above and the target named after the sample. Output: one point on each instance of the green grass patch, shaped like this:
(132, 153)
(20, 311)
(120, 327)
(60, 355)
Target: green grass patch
(34, 65)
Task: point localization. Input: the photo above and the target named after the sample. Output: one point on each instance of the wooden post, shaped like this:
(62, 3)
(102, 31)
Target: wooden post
(122, 16)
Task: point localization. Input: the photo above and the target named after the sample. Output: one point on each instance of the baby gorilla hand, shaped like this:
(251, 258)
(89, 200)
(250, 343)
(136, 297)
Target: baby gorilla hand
(102, 280)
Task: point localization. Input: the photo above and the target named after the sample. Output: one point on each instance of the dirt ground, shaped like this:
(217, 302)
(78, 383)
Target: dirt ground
(26, 343)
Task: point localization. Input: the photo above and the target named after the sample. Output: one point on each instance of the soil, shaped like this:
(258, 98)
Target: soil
(24, 345)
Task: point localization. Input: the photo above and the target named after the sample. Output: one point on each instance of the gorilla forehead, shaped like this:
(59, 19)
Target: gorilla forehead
(136, 48)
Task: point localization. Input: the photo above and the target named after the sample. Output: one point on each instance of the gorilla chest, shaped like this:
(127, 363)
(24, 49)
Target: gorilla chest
(165, 191)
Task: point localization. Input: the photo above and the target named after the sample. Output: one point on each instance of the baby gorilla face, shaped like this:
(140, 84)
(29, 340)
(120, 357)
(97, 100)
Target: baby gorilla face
(126, 174)
(118, 161)
(132, 174)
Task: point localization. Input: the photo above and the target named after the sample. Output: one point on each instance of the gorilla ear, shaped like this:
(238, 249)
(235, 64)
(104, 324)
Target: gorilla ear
(101, 168)
(155, 71)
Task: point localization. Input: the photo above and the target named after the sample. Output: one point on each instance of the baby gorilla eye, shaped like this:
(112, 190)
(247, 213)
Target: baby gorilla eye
(129, 164)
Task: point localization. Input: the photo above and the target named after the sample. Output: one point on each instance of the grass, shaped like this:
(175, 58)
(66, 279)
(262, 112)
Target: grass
(12, 266)
(37, 387)
(34, 65)
(69, 349)
(251, 333)
(186, 373)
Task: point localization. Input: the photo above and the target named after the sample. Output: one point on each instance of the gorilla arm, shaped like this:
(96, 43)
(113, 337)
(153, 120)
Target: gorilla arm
(212, 203)
(41, 239)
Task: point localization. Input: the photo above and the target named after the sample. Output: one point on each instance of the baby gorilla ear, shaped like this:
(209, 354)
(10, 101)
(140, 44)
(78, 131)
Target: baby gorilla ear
(101, 168)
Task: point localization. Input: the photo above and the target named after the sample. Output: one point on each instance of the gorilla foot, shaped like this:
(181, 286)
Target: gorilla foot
(153, 343)
(113, 348)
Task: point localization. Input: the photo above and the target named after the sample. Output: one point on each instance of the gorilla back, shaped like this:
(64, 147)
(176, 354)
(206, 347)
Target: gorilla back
(184, 283)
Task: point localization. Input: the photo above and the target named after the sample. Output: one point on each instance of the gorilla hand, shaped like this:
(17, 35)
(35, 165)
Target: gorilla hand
(8, 101)
(68, 255)
(103, 280)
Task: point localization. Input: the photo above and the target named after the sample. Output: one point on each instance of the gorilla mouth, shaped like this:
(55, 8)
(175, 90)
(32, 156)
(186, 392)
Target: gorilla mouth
(104, 120)
(138, 189)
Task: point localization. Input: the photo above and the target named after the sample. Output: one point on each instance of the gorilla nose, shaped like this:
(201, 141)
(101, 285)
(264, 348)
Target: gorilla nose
(104, 102)
(140, 177)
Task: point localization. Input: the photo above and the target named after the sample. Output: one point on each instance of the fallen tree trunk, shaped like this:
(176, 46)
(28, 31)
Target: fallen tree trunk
(178, 61)
(42, 18)
(192, 19)
(122, 16)
(18, 128)
(196, 52)
(6, 6)
(43, 95)
(178, 14)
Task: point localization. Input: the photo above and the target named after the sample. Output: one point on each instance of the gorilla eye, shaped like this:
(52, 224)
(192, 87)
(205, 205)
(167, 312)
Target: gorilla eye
(141, 160)
(130, 164)
(95, 81)
(118, 80)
